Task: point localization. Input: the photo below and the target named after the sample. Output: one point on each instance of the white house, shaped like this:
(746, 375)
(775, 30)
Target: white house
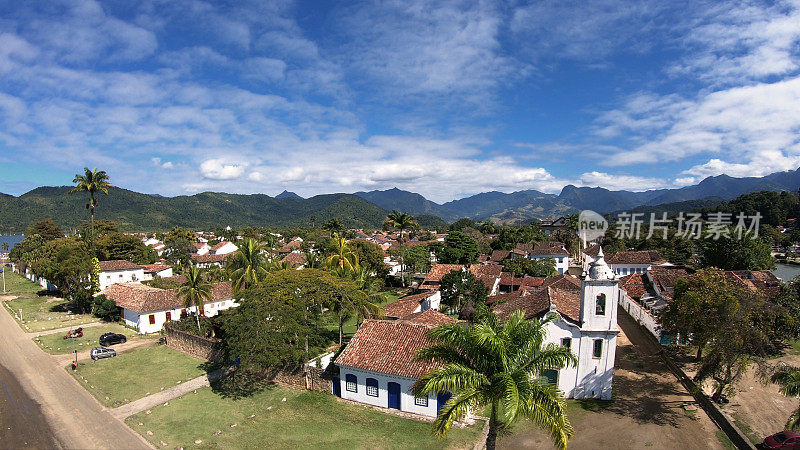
(223, 248)
(119, 271)
(147, 308)
(201, 248)
(553, 250)
(586, 322)
(156, 271)
(414, 303)
(628, 262)
(378, 366)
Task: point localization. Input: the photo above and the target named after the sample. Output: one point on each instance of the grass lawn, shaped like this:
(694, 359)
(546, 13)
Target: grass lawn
(304, 420)
(55, 344)
(38, 312)
(794, 347)
(136, 373)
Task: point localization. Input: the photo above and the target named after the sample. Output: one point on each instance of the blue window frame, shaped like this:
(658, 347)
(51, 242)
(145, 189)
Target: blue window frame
(372, 387)
(351, 383)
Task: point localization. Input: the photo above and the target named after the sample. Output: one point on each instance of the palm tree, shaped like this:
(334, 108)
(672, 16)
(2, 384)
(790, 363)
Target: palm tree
(342, 256)
(369, 285)
(312, 260)
(402, 221)
(348, 300)
(788, 378)
(247, 266)
(333, 226)
(278, 265)
(499, 366)
(92, 181)
(195, 291)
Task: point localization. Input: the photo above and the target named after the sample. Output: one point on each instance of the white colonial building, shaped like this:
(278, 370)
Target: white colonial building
(119, 271)
(147, 308)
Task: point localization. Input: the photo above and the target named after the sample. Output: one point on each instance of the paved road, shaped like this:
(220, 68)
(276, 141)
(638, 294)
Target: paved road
(22, 424)
(75, 417)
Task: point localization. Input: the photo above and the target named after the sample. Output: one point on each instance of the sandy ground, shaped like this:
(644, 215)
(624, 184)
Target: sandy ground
(760, 406)
(75, 418)
(647, 411)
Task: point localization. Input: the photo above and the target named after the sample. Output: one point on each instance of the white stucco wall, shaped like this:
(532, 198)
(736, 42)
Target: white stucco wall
(382, 400)
(110, 277)
(142, 321)
(640, 315)
(562, 262)
(627, 269)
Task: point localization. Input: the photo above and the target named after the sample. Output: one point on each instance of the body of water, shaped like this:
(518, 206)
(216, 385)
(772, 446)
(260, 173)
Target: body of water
(12, 240)
(786, 272)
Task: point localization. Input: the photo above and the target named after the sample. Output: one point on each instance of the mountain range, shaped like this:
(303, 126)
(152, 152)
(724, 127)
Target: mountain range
(135, 211)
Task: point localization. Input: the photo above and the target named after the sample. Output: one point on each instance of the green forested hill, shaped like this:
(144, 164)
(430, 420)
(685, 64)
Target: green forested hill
(135, 211)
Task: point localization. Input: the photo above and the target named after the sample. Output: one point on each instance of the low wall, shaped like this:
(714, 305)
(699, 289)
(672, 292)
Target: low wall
(200, 347)
(210, 349)
(642, 316)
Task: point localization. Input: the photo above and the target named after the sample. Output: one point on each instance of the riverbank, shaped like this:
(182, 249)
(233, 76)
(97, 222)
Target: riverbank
(21, 418)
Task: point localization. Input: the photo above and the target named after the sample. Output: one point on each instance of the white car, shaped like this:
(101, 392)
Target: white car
(102, 352)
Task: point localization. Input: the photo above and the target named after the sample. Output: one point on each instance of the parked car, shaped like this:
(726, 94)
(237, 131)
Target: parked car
(783, 440)
(102, 352)
(111, 339)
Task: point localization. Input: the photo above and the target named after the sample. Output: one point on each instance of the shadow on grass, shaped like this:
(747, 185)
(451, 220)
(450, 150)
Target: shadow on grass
(236, 384)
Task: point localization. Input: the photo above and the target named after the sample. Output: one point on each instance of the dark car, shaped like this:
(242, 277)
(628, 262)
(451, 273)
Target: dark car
(783, 440)
(111, 339)
(102, 352)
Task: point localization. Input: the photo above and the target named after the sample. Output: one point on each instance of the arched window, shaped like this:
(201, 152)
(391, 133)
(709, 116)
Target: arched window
(600, 305)
(351, 383)
(372, 387)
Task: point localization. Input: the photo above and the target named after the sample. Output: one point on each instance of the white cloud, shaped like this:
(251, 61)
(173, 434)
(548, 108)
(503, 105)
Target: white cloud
(217, 169)
(621, 182)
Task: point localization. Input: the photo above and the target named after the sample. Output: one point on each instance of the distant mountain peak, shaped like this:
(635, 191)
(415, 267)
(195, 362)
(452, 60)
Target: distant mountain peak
(287, 194)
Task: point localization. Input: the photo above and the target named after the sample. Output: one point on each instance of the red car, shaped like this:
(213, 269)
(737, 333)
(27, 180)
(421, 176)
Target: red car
(783, 440)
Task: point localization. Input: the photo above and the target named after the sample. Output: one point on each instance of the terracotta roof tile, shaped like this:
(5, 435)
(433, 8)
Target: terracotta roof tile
(439, 270)
(564, 281)
(429, 317)
(499, 255)
(388, 347)
(633, 285)
(592, 250)
(155, 268)
(554, 248)
(407, 305)
(208, 258)
(107, 266)
(141, 298)
(295, 259)
(635, 257)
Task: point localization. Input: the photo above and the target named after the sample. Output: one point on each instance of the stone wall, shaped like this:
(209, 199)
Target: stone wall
(209, 349)
(318, 379)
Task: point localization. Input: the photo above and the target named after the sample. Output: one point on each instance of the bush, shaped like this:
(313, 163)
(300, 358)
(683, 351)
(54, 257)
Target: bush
(106, 309)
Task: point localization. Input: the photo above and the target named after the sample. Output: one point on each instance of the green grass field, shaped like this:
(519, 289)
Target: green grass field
(55, 344)
(136, 374)
(39, 313)
(305, 420)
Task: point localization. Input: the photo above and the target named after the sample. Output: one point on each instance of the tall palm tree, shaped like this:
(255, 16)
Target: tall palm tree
(401, 221)
(92, 181)
(348, 301)
(499, 366)
(342, 257)
(195, 291)
(312, 260)
(788, 378)
(333, 226)
(369, 285)
(247, 266)
(277, 265)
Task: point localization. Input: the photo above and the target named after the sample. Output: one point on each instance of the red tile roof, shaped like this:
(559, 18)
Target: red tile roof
(554, 248)
(295, 259)
(536, 303)
(388, 347)
(499, 255)
(664, 278)
(439, 270)
(406, 305)
(140, 298)
(592, 250)
(635, 257)
(633, 285)
(208, 258)
(108, 266)
(155, 268)
(429, 317)
(564, 281)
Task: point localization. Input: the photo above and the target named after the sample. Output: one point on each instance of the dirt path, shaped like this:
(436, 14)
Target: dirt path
(74, 416)
(647, 410)
(164, 396)
(63, 360)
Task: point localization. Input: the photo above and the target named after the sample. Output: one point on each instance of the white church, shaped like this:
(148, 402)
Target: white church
(378, 366)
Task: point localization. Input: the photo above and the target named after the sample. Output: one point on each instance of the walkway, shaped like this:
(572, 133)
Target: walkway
(166, 395)
(64, 329)
(74, 416)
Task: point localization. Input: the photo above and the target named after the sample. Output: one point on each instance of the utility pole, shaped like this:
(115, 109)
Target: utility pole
(2, 270)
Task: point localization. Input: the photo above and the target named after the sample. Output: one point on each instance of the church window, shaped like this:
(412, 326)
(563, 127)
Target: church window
(598, 348)
(600, 305)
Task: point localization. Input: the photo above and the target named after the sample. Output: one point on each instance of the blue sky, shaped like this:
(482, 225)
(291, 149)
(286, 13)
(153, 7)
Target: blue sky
(442, 98)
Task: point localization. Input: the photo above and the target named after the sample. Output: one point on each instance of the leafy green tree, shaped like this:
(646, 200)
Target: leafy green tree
(509, 236)
(788, 378)
(534, 267)
(730, 253)
(195, 291)
(114, 246)
(418, 258)
(46, 228)
(458, 248)
(461, 290)
(348, 300)
(497, 367)
(334, 226)
(369, 256)
(461, 224)
(5, 247)
(106, 309)
(278, 320)
(66, 263)
(400, 221)
(93, 182)
(179, 244)
(700, 307)
(248, 265)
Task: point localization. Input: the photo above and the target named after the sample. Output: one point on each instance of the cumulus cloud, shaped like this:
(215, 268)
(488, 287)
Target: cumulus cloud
(218, 169)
